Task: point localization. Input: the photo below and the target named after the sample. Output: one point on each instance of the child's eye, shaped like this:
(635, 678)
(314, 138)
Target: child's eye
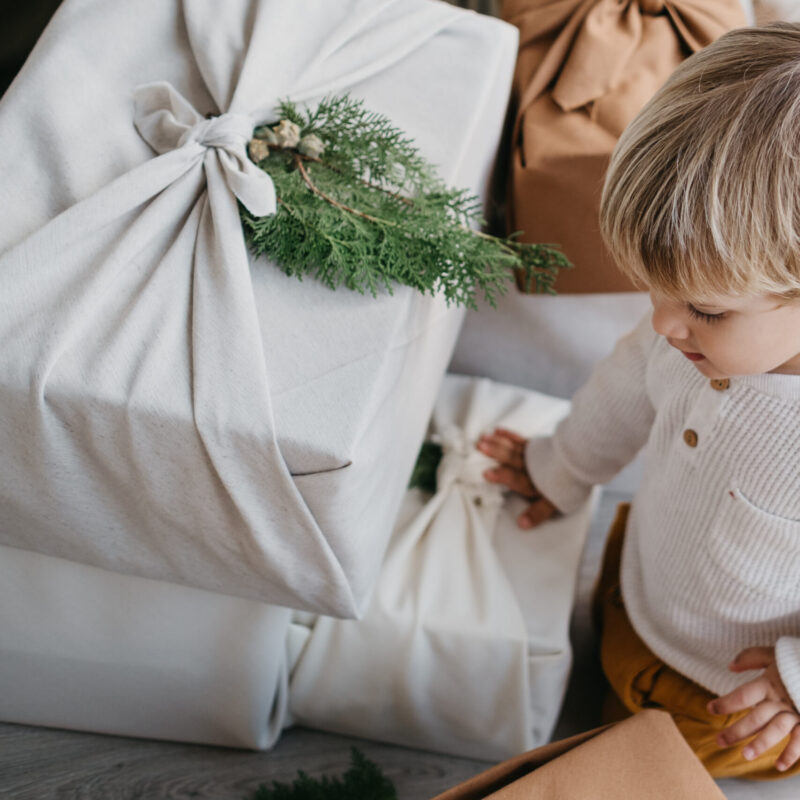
(702, 315)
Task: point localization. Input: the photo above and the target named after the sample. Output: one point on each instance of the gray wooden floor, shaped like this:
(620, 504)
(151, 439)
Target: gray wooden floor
(40, 763)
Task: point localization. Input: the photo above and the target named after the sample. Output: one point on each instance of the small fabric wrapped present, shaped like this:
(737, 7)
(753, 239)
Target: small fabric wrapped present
(585, 69)
(172, 408)
(464, 648)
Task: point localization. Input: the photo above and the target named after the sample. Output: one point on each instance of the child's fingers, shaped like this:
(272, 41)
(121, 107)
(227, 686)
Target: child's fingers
(514, 479)
(502, 450)
(753, 658)
(510, 435)
(791, 753)
(750, 724)
(745, 696)
(536, 513)
(779, 727)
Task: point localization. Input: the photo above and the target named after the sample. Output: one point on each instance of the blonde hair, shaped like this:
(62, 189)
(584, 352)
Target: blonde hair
(702, 195)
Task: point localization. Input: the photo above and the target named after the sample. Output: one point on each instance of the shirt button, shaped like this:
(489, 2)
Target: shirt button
(720, 384)
(690, 437)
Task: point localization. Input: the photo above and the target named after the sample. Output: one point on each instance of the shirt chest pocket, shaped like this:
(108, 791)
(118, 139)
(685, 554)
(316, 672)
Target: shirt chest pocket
(756, 549)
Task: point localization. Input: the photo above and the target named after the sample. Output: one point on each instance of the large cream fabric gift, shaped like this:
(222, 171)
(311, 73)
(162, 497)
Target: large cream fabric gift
(464, 647)
(91, 649)
(173, 409)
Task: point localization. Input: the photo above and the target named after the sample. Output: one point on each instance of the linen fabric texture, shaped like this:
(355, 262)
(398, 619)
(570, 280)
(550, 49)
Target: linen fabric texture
(464, 647)
(585, 69)
(86, 649)
(173, 409)
(711, 554)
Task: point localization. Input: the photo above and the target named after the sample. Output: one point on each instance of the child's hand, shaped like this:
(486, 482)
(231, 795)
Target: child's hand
(772, 716)
(508, 448)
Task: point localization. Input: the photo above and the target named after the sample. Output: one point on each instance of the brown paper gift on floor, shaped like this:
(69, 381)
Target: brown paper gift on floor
(644, 757)
(585, 69)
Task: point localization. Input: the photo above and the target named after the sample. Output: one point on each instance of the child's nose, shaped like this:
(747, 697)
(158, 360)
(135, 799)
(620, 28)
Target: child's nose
(669, 319)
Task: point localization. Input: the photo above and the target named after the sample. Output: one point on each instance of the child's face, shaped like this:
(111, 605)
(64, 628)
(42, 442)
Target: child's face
(725, 336)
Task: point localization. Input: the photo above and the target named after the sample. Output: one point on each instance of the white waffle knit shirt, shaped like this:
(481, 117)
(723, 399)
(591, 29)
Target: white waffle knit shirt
(711, 560)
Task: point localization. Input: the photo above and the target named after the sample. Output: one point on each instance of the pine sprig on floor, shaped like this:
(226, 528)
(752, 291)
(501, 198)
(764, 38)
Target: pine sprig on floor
(370, 212)
(362, 781)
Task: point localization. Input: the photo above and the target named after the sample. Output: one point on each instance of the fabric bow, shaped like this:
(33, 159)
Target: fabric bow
(590, 43)
(166, 121)
(463, 465)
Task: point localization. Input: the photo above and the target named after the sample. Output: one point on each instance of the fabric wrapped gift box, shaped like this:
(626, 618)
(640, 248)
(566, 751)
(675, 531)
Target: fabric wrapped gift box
(101, 461)
(172, 408)
(644, 757)
(585, 69)
(465, 645)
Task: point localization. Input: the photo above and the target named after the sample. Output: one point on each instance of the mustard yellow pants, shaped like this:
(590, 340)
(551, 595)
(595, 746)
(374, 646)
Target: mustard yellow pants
(638, 679)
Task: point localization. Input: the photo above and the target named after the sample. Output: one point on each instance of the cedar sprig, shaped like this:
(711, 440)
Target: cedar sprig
(371, 212)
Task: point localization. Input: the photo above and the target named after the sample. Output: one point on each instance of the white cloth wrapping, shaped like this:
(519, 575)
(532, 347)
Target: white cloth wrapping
(170, 409)
(465, 647)
(90, 649)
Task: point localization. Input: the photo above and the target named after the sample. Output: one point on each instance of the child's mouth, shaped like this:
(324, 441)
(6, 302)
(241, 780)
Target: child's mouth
(693, 356)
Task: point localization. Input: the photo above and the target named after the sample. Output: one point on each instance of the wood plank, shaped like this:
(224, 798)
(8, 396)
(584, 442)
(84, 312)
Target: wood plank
(43, 763)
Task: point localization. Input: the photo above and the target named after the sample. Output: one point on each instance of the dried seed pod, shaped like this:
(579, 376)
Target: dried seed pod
(287, 133)
(258, 150)
(311, 145)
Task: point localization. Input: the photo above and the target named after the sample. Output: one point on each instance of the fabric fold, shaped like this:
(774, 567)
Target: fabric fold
(597, 38)
(167, 121)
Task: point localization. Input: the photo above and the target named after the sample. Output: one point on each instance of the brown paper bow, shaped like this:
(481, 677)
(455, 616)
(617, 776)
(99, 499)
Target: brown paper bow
(585, 69)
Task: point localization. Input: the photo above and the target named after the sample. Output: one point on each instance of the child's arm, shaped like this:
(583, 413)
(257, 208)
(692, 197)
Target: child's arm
(608, 423)
(773, 715)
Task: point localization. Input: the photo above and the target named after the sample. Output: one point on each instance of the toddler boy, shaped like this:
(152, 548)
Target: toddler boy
(701, 601)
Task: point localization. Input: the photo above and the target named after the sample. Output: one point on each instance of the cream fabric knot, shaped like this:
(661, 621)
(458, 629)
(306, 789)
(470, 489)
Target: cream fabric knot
(228, 131)
(168, 122)
(462, 465)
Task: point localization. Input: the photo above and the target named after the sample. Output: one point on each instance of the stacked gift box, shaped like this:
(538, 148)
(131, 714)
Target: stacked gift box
(198, 449)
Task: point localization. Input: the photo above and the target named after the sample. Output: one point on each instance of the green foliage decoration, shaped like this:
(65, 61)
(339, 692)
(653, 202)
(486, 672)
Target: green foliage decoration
(369, 212)
(423, 476)
(362, 781)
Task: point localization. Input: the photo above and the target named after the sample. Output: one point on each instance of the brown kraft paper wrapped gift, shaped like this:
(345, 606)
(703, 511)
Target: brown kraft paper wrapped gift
(645, 757)
(585, 69)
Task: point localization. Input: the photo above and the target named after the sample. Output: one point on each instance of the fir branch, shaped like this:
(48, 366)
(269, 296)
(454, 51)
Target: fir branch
(362, 781)
(372, 213)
